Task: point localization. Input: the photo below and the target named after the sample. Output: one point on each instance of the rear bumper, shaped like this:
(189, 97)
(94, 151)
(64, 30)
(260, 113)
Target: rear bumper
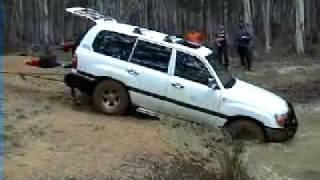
(80, 81)
(288, 132)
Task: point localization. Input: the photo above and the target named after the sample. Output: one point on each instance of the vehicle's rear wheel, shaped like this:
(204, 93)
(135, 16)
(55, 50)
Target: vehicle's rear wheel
(111, 97)
(246, 130)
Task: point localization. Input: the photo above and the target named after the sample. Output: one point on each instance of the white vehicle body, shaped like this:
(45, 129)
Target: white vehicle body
(166, 93)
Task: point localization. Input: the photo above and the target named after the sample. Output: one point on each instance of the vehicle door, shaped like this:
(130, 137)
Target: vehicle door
(148, 74)
(189, 95)
(110, 55)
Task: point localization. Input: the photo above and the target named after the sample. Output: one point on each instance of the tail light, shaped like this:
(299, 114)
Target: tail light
(75, 62)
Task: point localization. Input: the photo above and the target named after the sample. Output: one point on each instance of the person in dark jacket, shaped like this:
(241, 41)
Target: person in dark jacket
(243, 41)
(48, 59)
(222, 46)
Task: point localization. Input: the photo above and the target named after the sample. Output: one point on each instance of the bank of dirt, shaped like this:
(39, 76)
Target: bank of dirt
(46, 135)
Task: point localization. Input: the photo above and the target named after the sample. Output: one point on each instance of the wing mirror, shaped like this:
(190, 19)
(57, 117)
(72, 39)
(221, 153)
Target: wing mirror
(213, 84)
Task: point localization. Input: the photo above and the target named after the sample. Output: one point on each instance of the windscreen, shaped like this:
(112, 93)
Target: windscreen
(225, 77)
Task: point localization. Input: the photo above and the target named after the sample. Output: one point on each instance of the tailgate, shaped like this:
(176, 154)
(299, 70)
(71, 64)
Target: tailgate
(89, 14)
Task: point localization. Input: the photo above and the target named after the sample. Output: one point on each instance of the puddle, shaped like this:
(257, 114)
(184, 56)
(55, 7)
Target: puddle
(297, 159)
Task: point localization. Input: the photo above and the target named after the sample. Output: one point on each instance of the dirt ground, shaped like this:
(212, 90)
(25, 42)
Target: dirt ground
(46, 135)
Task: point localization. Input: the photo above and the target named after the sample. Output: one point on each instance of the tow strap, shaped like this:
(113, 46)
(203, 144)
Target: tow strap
(35, 75)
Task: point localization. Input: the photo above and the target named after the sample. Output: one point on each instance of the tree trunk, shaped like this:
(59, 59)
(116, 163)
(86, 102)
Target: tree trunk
(300, 26)
(204, 16)
(282, 21)
(247, 12)
(225, 15)
(266, 22)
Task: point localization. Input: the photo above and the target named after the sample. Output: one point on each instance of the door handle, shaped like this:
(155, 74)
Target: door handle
(132, 71)
(177, 85)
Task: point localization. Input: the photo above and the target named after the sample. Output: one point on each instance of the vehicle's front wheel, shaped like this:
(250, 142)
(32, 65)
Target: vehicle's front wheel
(246, 130)
(111, 97)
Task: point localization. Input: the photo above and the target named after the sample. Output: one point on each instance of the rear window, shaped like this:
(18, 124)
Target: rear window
(114, 44)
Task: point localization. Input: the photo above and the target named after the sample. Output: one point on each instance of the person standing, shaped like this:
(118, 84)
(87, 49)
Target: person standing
(222, 46)
(243, 41)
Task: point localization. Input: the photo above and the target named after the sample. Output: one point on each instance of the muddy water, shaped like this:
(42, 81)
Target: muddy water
(297, 159)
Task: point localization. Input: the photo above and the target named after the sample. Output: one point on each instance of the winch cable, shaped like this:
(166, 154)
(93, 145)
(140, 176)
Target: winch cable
(35, 75)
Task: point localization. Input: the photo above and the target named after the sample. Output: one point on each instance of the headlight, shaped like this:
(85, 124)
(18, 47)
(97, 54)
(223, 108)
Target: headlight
(281, 119)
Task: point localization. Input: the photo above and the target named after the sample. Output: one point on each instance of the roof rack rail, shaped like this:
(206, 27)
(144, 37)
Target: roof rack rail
(110, 19)
(180, 40)
(137, 30)
(180, 36)
(188, 44)
(168, 39)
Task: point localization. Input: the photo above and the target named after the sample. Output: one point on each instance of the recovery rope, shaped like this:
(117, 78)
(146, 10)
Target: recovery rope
(40, 76)
(35, 75)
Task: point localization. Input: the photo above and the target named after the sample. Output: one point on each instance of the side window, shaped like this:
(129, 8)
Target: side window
(191, 68)
(114, 44)
(152, 56)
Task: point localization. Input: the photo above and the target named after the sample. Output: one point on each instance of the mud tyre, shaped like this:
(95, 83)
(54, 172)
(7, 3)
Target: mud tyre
(111, 98)
(246, 130)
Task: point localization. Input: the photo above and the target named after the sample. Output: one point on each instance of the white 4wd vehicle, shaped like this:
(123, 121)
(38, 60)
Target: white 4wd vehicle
(123, 66)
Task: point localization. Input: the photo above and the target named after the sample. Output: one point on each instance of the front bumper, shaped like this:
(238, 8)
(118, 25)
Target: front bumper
(289, 130)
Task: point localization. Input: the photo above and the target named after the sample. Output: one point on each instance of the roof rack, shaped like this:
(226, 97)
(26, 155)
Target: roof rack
(180, 40)
(110, 19)
(172, 39)
(139, 30)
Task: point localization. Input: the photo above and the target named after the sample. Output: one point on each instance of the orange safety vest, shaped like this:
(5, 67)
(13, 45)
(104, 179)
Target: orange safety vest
(195, 37)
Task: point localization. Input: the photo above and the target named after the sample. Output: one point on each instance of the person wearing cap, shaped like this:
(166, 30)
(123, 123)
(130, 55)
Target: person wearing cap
(221, 45)
(243, 41)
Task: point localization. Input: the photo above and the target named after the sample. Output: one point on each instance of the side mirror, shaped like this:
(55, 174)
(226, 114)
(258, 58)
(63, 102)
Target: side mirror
(213, 84)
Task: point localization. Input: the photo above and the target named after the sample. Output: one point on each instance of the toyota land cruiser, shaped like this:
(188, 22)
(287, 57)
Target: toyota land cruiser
(121, 66)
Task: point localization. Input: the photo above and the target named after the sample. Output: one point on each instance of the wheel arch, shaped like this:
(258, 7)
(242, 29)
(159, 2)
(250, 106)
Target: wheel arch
(233, 119)
(99, 79)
